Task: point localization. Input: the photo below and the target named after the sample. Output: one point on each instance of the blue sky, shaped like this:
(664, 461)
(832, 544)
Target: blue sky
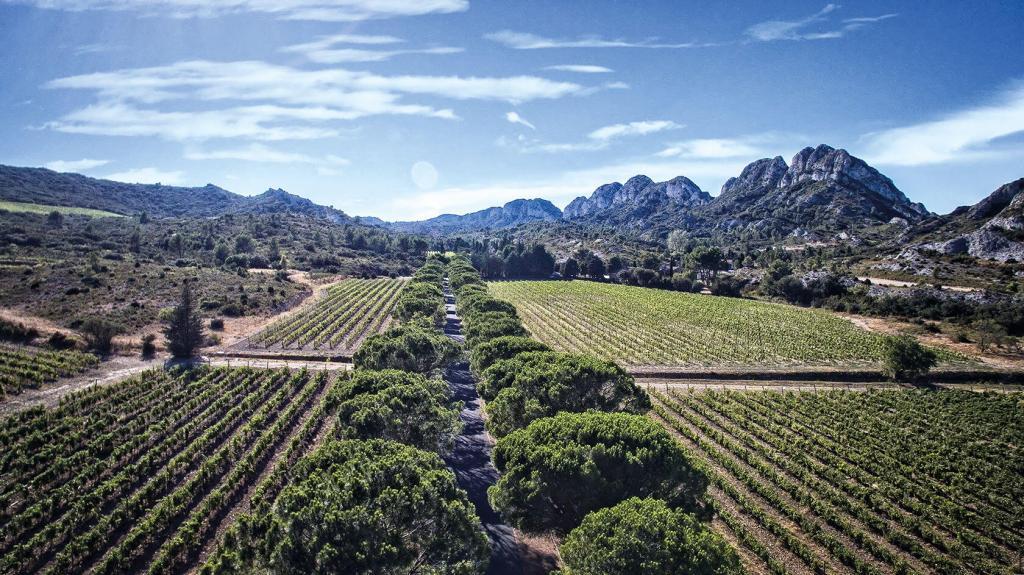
(406, 109)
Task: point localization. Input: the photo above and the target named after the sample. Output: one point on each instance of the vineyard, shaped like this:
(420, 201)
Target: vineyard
(21, 368)
(349, 312)
(639, 326)
(143, 476)
(875, 482)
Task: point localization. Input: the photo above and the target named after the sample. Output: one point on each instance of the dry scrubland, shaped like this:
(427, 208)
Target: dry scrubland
(640, 326)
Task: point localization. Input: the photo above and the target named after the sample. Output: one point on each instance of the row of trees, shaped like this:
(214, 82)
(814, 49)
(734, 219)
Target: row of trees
(576, 456)
(514, 260)
(377, 497)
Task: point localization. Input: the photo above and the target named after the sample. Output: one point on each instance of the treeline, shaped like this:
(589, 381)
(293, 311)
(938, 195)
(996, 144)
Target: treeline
(507, 259)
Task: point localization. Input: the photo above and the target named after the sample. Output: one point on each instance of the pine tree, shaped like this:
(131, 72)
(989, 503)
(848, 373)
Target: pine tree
(184, 333)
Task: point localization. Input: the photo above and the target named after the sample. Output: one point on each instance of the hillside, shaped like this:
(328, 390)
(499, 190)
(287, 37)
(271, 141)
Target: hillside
(42, 186)
(512, 214)
(991, 229)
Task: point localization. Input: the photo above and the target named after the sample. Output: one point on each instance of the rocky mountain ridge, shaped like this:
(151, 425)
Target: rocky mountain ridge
(991, 229)
(822, 194)
(510, 215)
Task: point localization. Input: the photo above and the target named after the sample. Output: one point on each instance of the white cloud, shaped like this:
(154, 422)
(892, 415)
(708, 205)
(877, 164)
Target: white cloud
(94, 49)
(599, 139)
(279, 102)
(580, 68)
(326, 51)
(147, 176)
(964, 135)
(517, 119)
(328, 41)
(339, 55)
(711, 148)
(323, 10)
(632, 129)
(773, 30)
(82, 165)
(528, 41)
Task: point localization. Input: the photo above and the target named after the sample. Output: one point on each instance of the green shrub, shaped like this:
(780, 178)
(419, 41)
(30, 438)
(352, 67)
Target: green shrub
(907, 360)
(99, 334)
(365, 507)
(400, 406)
(420, 299)
(17, 332)
(645, 536)
(409, 347)
(558, 469)
(487, 326)
(505, 347)
(539, 384)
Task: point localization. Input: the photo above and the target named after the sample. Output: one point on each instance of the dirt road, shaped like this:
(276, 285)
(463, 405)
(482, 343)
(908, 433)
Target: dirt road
(471, 457)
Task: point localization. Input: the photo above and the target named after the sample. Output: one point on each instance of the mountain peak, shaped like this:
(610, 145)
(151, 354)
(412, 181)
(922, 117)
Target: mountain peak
(764, 174)
(636, 200)
(837, 166)
(637, 183)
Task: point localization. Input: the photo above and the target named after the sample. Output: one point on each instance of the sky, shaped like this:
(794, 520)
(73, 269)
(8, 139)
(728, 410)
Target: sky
(406, 109)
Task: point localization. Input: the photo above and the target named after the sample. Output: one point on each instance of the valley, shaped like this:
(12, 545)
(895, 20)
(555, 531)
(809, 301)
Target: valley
(795, 361)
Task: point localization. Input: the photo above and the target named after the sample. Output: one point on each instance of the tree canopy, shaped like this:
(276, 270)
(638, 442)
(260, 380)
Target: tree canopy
(505, 347)
(906, 360)
(184, 332)
(486, 326)
(645, 536)
(365, 507)
(541, 383)
(409, 347)
(397, 405)
(560, 468)
(420, 299)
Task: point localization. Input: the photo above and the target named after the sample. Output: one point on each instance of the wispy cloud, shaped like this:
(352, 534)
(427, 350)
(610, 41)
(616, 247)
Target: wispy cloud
(808, 28)
(75, 165)
(147, 176)
(632, 129)
(263, 101)
(515, 118)
(714, 148)
(326, 50)
(580, 68)
(528, 41)
(598, 139)
(964, 135)
(94, 49)
(322, 10)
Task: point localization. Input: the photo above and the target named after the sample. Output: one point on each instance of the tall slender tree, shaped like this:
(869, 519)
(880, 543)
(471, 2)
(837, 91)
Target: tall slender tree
(184, 333)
